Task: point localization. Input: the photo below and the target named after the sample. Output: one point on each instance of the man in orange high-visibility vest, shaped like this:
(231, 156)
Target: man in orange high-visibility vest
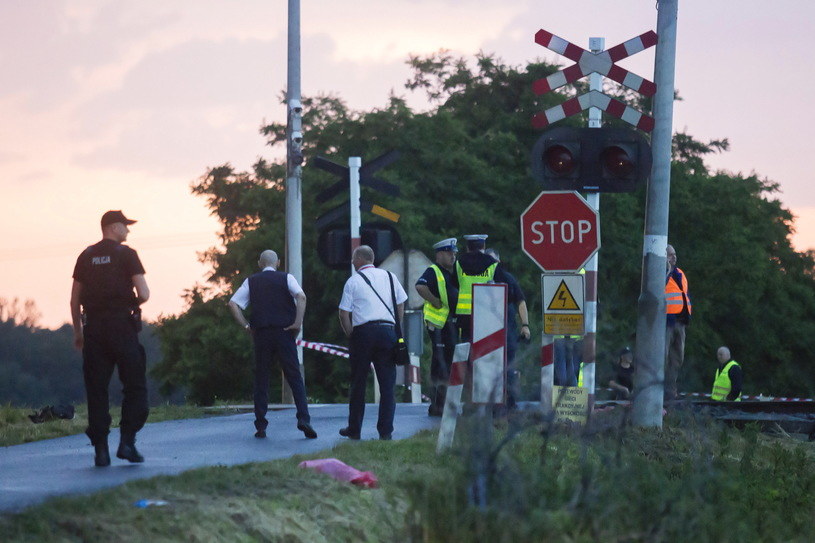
(678, 308)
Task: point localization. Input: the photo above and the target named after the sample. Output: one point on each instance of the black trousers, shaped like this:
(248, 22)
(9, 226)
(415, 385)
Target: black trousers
(111, 341)
(443, 344)
(372, 343)
(464, 324)
(271, 342)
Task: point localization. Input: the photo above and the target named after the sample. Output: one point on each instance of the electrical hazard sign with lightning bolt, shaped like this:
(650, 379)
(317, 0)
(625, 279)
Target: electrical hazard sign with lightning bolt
(563, 297)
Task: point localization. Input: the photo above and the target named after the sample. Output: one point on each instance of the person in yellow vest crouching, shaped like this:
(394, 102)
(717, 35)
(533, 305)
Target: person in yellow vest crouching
(728, 380)
(438, 287)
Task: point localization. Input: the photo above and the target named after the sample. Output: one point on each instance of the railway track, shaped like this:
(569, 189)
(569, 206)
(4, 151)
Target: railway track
(790, 416)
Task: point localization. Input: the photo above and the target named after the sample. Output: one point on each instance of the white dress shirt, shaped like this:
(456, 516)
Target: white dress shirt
(363, 304)
(241, 296)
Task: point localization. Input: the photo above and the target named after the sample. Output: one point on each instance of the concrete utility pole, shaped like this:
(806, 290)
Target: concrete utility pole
(294, 170)
(649, 353)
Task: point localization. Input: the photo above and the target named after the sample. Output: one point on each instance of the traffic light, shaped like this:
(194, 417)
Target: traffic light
(591, 159)
(334, 243)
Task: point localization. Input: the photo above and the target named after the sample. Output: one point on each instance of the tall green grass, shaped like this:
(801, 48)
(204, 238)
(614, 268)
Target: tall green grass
(693, 480)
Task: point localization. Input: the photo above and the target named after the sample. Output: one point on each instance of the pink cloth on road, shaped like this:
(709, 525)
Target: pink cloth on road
(342, 472)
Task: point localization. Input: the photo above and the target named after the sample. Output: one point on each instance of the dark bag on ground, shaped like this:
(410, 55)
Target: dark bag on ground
(50, 413)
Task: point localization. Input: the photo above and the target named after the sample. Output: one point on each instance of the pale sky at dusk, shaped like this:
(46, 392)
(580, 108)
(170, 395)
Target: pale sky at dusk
(122, 104)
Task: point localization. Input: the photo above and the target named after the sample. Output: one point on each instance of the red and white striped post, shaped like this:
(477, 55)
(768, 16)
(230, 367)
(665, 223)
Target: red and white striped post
(589, 357)
(452, 402)
(547, 371)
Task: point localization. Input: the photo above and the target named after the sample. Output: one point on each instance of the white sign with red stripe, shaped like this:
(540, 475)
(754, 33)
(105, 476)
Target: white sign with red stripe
(489, 350)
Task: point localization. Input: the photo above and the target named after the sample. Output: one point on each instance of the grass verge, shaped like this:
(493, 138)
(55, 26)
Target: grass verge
(691, 480)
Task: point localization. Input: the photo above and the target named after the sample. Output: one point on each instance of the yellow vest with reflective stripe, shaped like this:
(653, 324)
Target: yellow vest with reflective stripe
(438, 317)
(722, 385)
(465, 287)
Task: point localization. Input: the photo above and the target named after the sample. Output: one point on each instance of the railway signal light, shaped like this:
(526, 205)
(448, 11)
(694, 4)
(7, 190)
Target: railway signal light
(591, 159)
(334, 243)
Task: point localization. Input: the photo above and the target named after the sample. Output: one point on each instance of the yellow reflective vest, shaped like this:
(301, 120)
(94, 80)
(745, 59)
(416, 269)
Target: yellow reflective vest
(437, 316)
(722, 385)
(465, 287)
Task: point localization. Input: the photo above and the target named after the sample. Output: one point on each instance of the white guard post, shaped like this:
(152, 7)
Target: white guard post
(414, 377)
(452, 403)
(409, 376)
(489, 351)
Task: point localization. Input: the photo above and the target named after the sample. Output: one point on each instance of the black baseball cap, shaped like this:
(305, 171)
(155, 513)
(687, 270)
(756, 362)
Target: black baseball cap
(111, 217)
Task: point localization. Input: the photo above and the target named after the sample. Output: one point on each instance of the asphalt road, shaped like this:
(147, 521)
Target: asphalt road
(33, 472)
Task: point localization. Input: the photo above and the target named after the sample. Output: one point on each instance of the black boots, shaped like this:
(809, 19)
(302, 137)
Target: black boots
(102, 457)
(307, 430)
(127, 449)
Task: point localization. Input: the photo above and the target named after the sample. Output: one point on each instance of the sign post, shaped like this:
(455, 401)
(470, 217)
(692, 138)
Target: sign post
(560, 232)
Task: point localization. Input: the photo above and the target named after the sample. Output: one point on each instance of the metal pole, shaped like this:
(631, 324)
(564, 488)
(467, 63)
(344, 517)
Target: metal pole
(294, 170)
(596, 45)
(354, 164)
(649, 354)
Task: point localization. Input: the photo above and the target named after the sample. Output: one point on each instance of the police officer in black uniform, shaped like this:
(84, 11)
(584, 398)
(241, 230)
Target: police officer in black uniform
(106, 319)
(472, 267)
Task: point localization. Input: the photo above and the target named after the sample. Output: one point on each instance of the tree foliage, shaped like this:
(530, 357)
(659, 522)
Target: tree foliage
(464, 168)
(39, 366)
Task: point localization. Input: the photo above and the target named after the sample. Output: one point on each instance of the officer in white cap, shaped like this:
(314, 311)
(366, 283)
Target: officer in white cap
(472, 267)
(437, 286)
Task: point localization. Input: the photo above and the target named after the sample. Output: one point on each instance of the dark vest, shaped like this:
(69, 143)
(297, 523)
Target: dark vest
(272, 303)
(107, 283)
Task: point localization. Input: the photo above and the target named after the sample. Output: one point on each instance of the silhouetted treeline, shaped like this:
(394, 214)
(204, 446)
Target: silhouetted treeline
(39, 366)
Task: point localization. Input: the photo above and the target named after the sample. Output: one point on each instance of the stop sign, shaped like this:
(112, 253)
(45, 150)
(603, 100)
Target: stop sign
(560, 231)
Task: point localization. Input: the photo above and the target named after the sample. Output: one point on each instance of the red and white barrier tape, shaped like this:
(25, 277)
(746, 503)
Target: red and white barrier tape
(754, 398)
(337, 350)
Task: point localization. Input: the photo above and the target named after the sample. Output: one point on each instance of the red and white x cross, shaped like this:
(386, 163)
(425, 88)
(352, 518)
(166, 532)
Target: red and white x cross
(603, 63)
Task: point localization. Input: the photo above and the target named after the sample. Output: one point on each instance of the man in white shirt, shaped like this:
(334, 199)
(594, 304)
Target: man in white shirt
(367, 317)
(278, 305)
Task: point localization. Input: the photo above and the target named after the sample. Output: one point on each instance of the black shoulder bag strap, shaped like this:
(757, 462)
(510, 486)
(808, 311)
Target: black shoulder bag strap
(393, 298)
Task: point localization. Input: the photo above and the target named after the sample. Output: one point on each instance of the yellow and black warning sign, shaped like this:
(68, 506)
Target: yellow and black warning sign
(563, 300)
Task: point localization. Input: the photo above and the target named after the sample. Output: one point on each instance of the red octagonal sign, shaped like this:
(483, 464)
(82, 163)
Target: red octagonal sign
(560, 231)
